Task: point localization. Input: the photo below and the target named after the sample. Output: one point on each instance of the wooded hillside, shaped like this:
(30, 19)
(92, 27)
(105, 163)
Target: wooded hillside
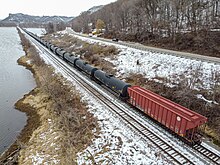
(194, 22)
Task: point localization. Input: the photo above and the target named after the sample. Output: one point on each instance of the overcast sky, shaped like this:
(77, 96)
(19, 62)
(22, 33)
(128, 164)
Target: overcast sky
(48, 7)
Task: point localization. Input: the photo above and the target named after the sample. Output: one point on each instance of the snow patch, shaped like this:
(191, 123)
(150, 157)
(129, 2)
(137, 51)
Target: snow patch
(161, 67)
(118, 143)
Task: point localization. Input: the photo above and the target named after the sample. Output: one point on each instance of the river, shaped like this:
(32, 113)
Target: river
(15, 81)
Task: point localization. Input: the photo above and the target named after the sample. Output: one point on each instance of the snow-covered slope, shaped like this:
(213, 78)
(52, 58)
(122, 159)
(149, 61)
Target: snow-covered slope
(157, 66)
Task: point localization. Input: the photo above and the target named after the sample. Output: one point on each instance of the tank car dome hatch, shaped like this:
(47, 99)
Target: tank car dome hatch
(54, 49)
(60, 52)
(84, 66)
(109, 75)
(113, 83)
(70, 58)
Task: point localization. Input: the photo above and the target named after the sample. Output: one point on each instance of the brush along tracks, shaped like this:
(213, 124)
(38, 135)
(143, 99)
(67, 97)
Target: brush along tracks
(168, 150)
(155, 50)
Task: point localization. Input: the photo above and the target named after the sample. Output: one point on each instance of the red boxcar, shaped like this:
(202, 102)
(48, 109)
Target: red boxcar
(174, 116)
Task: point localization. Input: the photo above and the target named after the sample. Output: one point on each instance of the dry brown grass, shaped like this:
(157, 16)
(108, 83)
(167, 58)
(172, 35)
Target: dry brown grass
(58, 100)
(74, 120)
(94, 54)
(24, 41)
(182, 94)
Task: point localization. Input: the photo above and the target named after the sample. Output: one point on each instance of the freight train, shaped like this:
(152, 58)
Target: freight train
(178, 119)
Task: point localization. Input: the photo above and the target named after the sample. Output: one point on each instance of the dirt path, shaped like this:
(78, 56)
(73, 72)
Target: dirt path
(154, 49)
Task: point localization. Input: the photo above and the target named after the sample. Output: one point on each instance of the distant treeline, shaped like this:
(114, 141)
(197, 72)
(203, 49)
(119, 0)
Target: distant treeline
(24, 25)
(49, 27)
(7, 24)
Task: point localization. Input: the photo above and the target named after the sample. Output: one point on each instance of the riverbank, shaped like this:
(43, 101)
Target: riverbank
(11, 155)
(52, 133)
(40, 128)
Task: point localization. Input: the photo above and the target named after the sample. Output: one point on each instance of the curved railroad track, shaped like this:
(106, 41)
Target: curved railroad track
(169, 151)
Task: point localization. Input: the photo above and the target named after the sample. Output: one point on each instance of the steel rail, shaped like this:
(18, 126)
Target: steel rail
(210, 155)
(168, 149)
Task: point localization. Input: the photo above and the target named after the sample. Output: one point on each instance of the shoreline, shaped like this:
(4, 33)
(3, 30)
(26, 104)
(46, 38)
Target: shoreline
(11, 154)
(50, 135)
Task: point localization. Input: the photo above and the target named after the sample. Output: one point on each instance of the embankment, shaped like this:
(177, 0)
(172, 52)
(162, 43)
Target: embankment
(56, 116)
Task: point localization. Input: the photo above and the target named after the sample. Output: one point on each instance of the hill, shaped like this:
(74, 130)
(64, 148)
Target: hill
(94, 9)
(192, 26)
(32, 21)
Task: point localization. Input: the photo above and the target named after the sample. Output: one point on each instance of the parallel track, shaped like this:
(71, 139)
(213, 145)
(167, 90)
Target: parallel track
(157, 50)
(168, 150)
(213, 157)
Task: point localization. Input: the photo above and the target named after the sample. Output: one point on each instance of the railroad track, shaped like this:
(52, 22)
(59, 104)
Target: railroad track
(169, 151)
(213, 157)
(156, 50)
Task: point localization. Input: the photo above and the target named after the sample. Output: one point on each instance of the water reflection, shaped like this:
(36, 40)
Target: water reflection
(15, 81)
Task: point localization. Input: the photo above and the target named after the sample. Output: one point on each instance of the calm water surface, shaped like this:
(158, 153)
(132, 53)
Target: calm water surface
(15, 81)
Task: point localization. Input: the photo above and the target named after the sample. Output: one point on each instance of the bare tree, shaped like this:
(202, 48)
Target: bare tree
(154, 18)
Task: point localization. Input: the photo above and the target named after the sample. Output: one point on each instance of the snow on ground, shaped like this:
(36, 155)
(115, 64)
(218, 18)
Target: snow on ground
(38, 31)
(161, 67)
(118, 143)
(47, 138)
(44, 144)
